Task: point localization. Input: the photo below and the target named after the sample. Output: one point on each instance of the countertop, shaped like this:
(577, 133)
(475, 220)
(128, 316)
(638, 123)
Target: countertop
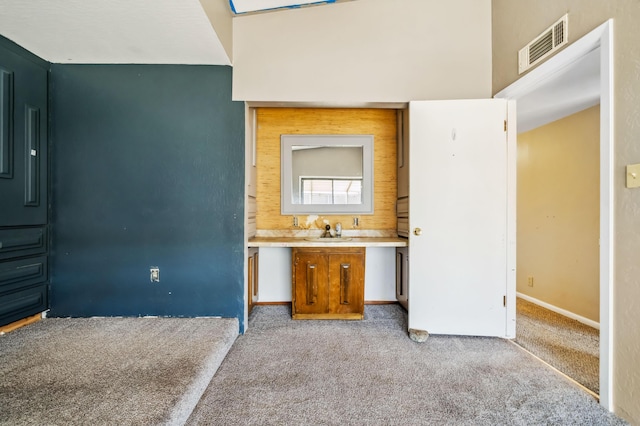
(331, 242)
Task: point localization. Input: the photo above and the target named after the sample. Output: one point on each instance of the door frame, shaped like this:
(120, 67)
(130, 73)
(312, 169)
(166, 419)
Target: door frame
(601, 37)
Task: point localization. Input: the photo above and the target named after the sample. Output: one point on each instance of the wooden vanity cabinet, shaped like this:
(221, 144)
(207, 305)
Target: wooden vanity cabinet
(328, 283)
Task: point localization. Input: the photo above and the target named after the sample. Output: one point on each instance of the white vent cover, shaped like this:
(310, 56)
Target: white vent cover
(542, 46)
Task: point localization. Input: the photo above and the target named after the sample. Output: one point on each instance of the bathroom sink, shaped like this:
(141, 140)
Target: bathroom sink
(328, 240)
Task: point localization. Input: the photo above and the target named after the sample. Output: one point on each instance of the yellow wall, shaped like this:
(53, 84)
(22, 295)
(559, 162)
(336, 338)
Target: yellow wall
(274, 122)
(558, 213)
(514, 24)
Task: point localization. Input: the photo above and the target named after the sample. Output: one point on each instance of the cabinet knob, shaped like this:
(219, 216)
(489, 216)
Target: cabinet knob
(417, 231)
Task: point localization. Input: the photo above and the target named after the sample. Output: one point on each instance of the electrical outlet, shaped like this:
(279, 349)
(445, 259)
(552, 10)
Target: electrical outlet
(530, 281)
(154, 274)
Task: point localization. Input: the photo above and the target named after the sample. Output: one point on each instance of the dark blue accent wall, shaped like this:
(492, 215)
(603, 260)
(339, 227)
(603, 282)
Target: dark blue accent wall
(147, 170)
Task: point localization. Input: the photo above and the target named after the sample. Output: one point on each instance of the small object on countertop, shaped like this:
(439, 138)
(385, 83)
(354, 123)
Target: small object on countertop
(338, 230)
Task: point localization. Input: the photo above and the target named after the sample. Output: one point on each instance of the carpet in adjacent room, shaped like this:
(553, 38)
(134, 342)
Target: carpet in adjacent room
(562, 342)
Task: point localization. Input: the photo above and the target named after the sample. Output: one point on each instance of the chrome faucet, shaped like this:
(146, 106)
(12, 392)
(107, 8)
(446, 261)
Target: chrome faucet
(338, 230)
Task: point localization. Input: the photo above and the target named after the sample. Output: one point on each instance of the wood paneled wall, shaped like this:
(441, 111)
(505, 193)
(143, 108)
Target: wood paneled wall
(274, 122)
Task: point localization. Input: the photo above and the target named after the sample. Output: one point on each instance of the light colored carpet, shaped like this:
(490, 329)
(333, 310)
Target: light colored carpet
(285, 372)
(109, 371)
(566, 344)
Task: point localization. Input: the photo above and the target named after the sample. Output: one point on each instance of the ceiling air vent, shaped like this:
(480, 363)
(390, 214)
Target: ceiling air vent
(542, 46)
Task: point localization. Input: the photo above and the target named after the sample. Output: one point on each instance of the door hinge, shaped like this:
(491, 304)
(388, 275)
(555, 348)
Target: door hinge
(505, 125)
(504, 301)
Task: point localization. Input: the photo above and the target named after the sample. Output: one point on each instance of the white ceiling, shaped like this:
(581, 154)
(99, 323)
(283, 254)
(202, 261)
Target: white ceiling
(575, 88)
(125, 31)
(113, 31)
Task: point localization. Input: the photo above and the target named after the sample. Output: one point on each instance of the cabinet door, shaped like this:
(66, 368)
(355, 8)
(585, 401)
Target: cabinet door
(346, 278)
(23, 288)
(403, 153)
(252, 277)
(23, 140)
(402, 275)
(402, 204)
(310, 282)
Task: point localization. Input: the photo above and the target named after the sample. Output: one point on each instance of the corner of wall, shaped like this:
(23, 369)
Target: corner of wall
(221, 19)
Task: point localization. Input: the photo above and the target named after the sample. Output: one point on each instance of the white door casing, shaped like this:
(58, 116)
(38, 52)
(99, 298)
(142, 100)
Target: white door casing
(535, 82)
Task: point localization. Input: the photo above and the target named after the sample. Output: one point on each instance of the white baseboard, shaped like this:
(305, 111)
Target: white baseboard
(560, 311)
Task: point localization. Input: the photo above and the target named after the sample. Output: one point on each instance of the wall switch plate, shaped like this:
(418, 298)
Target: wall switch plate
(633, 175)
(530, 281)
(154, 274)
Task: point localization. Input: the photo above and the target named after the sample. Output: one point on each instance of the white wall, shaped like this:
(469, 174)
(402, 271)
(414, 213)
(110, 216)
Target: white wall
(380, 274)
(274, 274)
(365, 51)
(221, 19)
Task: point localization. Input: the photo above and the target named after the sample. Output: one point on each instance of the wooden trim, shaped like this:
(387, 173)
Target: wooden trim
(350, 316)
(20, 323)
(367, 302)
(349, 105)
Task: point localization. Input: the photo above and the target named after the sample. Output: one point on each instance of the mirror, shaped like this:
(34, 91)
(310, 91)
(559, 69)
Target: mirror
(327, 174)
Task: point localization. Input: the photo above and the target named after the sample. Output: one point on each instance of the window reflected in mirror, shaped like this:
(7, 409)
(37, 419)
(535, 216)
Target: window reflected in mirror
(331, 191)
(326, 174)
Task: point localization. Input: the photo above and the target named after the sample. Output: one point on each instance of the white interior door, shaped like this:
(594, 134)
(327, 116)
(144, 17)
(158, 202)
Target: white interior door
(458, 217)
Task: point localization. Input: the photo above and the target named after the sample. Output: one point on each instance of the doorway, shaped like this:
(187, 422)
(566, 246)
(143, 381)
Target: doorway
(544, 95)
(558, 261)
